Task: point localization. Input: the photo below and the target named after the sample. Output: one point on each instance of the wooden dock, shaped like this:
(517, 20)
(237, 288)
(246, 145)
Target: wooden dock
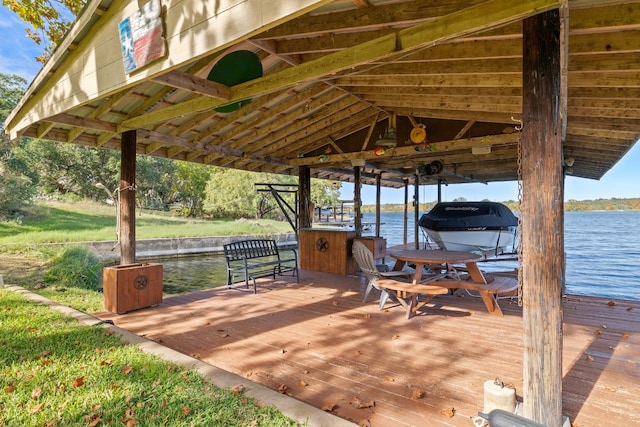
(318, 343)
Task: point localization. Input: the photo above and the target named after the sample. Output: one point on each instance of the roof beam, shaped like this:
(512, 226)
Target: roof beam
(194, 84)
(460, 23)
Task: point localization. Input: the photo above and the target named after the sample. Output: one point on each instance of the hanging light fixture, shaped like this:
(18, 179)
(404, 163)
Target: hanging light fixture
(389, 137)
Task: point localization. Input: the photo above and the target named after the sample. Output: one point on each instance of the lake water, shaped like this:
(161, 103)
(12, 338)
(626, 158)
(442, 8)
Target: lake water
(603, 255)
(603, 250)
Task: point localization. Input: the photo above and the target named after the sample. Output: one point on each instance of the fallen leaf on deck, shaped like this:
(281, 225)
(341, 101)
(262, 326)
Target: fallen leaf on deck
(449, 412)
(395, 337)
(283, 351)
(335, 303)
(417, 394)
(282, 388)
(597, 332)
(329, 407)
(357, 353)
(629, 308)
(306, 371)
(365, 423)
(360, 404)
(224, 335)
(248, 374)
(302, 384)
(589, 358)
(237, 389)
(611, 303)
(625, 335)
(608, 387)
(78, 382)
(389, 379)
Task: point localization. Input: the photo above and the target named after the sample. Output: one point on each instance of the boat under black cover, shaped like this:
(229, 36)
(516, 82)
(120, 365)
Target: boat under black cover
(459, 216)
(484, 227)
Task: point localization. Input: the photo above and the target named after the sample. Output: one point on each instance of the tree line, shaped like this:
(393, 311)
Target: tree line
(613, 204)
(32, 168)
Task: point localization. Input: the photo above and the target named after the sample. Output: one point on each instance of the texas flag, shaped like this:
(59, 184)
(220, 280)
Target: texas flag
(141, 36)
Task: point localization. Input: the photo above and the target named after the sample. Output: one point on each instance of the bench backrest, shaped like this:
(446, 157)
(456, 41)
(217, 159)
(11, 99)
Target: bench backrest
(249, 249)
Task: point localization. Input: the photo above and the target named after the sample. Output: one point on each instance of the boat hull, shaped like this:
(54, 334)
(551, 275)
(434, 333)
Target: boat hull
(494, 241)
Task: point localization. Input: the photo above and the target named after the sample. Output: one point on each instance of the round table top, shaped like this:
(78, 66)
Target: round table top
(426, 256)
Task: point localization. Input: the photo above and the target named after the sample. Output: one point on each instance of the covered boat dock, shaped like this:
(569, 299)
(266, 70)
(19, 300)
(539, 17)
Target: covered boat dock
(379, 92)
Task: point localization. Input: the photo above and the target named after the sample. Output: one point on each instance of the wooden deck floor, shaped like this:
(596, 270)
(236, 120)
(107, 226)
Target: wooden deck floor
(317, 342)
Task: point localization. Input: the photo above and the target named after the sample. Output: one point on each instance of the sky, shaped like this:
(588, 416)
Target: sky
(18, 53)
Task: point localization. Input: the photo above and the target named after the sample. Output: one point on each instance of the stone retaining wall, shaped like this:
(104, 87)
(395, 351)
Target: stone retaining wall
(179, 246)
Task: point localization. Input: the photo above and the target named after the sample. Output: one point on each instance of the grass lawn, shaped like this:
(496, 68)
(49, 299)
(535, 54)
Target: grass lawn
(54, 371)
(55, 222)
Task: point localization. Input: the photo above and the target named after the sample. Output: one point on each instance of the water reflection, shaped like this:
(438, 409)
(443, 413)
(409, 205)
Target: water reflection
(188, 274)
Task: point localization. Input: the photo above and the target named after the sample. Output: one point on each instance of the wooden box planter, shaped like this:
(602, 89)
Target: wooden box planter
(326, 250)
(132, 287)
(377, 246)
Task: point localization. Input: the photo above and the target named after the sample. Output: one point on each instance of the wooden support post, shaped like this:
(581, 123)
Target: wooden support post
(357, 201)
(305, 208)
(416, 213)
(543, 219)
(378, 201)
(406, 211)
(440, 181)
(127, 198)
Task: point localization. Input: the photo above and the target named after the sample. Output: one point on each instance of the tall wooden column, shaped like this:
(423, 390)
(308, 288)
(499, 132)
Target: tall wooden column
(416, 212)
(378, 202)
(127, 198)
(304, 200)
(543, 219)
(357, 201)
(405, 211)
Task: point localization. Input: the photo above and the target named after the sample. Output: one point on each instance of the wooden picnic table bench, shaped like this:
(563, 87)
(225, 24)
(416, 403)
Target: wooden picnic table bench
(254, 258)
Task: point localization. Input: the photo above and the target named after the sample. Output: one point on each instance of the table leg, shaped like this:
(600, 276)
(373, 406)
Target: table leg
(491, 303)
(399, 265)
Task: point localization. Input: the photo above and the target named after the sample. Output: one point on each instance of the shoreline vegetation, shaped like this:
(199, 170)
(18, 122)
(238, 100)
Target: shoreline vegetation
(613, 204)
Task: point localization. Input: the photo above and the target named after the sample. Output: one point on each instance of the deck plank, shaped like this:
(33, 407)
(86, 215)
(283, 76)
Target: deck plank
(318, 340)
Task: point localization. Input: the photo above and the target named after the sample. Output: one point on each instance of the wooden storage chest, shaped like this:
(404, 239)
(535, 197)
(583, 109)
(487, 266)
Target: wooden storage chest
(132, 287)
(326, 250)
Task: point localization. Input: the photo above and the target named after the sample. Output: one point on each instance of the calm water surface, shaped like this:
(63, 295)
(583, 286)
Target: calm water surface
(603, 255)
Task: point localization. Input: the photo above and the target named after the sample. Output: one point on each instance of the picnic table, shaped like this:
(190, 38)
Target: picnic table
(446, 271)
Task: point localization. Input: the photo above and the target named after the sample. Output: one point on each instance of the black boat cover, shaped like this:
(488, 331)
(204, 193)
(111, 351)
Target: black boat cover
(451, 216)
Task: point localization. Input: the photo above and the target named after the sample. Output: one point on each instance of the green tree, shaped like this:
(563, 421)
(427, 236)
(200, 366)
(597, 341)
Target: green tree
(49, 20)
(69, 169)
(189, 186)
(17, 181)
(324, 192)
(232, 193)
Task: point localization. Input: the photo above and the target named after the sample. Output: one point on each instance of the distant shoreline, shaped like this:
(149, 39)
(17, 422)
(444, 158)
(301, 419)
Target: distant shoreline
(569, 206)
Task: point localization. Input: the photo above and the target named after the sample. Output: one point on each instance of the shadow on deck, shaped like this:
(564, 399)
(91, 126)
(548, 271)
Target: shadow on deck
(317, 342)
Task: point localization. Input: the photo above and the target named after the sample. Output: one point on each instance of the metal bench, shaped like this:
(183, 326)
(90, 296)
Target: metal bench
(256, 258)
